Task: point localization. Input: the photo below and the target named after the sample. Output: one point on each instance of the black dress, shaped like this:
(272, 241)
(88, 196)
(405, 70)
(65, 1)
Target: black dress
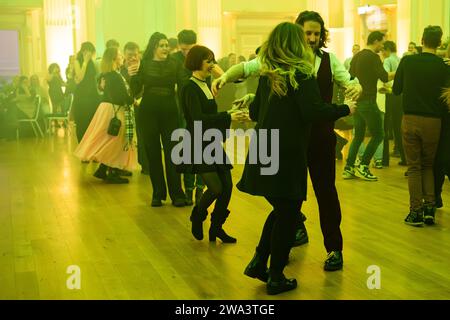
(56, 93)
(292, 115)
(86, 100)
(198, 108)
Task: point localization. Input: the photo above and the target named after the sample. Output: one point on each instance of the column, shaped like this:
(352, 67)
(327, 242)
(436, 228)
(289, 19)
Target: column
(59, 32)
(210, 24)
(404, 24)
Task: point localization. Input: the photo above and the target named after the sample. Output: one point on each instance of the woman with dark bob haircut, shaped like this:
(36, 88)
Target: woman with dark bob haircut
(200, 107)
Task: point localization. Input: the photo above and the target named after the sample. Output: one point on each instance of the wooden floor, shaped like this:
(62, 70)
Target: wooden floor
(54, 214)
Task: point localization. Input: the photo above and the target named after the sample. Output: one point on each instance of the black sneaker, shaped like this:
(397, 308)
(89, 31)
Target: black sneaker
(428, 215)
(414, 219)
(363, 172)
(349, 173)
(334, 261)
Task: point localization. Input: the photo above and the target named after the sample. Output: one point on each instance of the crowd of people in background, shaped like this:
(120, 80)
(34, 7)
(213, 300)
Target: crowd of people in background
(128, 102)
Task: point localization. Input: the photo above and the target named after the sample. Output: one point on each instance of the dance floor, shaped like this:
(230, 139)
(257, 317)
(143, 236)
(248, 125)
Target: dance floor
(54, 215)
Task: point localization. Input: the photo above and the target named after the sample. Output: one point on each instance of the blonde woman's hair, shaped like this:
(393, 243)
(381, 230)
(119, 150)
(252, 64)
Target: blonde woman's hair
(446, 97)
(283, 55)
(109, 57)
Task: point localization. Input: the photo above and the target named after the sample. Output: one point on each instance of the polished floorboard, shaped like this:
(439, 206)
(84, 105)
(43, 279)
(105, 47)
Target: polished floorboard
(54, 214)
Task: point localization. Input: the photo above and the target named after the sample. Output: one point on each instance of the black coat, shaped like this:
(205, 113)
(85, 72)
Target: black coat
(292, 115)
(197, 107)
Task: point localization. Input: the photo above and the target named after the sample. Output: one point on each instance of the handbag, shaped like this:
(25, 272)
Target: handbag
(114, 124)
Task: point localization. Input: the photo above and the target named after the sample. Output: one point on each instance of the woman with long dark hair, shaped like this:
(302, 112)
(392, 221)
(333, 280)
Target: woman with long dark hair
(158, 75)
(86, 97)
(288, 100)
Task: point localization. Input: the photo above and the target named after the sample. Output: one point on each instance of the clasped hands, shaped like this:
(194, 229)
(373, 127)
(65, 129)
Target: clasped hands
(240, 110)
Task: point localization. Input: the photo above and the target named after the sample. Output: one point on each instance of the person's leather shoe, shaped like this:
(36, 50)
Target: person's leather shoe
(301, 237)
(189, 195)
(101, 172)
(277, 287)
(179, 203)
(113, 178)
(257, 269)
(334, 261)
(124, 173)
(156, 202)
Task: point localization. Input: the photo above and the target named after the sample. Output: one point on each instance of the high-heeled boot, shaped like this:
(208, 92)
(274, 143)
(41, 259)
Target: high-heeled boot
(257, 268)
(218, 218)
(197, 218)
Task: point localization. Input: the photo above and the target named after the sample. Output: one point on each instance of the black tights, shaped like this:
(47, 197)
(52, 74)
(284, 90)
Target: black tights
(278, 234)
(220, 186)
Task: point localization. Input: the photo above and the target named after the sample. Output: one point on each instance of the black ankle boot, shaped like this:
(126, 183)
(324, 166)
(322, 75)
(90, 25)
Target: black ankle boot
(197, 219)
(218, 218)
(257, 268)
(114, 178)
(101, 172)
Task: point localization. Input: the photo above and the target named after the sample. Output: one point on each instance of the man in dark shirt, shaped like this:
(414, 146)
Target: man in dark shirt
(186, 40)
(131, 55)
(421, 78)
(368, 68)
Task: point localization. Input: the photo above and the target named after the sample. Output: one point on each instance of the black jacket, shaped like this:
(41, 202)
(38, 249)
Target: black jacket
(292, 115)
(116, 89)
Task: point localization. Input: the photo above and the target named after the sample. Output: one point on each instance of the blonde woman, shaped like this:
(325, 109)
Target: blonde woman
(115, 153)
(287, 100)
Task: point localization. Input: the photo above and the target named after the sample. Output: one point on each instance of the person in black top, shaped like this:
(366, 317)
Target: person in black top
(199, 107)
(132, 57)
(55, 84)
(86, 97)
(442, 163)
(71, 85)
(287, 101)
(366, 65)
(115, 153)
(186, 40)
(421, 78)
(158, 115)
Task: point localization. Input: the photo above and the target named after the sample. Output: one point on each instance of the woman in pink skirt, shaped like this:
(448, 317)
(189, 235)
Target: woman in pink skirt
(115, 153)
